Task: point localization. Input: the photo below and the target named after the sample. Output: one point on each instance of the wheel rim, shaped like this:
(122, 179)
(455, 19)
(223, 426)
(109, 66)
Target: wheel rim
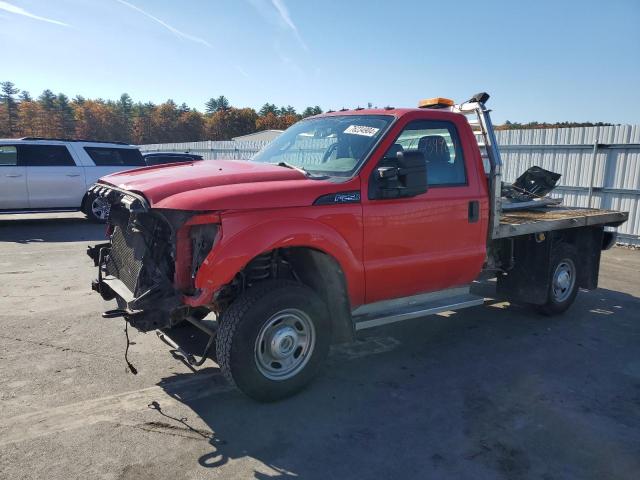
(285, 344)
(100, 208)
(564, 278)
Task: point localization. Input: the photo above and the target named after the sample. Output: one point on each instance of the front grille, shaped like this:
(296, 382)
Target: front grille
(126, 258)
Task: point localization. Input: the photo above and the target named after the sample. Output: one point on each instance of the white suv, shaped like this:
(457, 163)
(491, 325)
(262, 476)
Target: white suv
(38, 174)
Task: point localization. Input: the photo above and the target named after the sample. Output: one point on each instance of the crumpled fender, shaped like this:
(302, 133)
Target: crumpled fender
(237, 246)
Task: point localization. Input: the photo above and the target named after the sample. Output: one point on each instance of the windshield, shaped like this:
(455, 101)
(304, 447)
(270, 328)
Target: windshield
(335, 145)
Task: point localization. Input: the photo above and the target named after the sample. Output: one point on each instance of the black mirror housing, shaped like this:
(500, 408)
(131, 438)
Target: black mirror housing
(403, 176)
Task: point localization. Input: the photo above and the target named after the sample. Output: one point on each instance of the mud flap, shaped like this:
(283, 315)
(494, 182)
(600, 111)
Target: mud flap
(528, 280)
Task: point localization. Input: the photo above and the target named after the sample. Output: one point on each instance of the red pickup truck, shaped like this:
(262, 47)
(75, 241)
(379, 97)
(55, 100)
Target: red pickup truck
(347, 221)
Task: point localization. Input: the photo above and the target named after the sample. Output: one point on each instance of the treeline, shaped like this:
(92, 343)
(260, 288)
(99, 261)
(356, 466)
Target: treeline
(58, 116)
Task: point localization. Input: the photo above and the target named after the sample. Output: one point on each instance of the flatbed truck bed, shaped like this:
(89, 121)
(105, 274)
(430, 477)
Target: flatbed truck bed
(514, 223)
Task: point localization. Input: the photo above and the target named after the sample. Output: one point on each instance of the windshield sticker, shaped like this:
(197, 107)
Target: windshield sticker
(361, 130)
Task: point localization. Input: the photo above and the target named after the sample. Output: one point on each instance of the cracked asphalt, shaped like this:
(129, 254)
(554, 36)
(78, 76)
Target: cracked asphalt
(489, 392)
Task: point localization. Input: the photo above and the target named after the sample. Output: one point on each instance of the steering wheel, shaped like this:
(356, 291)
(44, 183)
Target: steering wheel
(329, 152)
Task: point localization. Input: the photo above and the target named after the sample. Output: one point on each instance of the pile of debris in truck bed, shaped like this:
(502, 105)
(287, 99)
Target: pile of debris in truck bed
(530, 190)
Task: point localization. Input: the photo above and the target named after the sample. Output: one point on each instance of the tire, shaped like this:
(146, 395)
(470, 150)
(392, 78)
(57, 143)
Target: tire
(563, 281)
(96, 209)
(272, 339)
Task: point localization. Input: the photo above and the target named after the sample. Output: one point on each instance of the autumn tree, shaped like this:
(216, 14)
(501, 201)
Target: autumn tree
(54, 115)
(270, 121)
(164, 122)
(95, 120)
(190, 126)
(141, 124)
(28, 119)
(233, 122)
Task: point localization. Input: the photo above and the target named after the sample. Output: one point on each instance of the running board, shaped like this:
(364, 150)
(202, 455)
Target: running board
(397, 310)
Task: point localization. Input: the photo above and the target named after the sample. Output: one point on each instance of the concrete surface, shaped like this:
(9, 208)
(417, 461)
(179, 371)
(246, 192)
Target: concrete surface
(490, 392)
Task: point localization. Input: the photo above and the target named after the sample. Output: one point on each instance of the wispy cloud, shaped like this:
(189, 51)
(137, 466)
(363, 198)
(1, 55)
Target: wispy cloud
(242, 72)
(288, 61)
(173, 30)
(276, 11)
(7, 7)
(286, 18)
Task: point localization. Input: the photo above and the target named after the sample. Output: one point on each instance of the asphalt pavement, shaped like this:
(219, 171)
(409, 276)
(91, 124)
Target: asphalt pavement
(489, 392)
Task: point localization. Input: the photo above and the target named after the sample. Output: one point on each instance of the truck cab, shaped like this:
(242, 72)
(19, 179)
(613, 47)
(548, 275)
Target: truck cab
(348, 220)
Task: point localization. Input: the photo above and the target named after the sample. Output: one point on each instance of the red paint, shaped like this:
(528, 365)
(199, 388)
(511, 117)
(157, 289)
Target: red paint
(386, 248)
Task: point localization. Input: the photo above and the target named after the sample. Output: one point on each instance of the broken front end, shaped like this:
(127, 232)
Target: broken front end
(150, 263)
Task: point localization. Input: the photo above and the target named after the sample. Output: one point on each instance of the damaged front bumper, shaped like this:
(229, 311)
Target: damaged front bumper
(146, 266)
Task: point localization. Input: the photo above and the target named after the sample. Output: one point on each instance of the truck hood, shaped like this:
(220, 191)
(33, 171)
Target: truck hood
(220, 185)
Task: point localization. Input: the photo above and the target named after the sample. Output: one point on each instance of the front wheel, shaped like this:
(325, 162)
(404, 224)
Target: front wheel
(272, 340)
(96, 209)
(563, 284)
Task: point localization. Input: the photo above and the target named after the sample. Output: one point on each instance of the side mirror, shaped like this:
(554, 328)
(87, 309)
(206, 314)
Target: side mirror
(404, 176)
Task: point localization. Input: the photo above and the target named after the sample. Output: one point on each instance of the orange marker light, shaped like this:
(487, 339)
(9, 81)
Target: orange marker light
(437, 102)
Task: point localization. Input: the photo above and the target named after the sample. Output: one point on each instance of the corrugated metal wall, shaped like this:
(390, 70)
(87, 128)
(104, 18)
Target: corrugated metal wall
(612, 168)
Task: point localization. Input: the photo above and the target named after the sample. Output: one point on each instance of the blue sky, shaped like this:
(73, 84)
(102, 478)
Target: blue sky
(540, 60)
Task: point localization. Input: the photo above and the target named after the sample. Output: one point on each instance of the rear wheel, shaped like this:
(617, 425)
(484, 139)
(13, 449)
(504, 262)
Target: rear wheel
(563, 284)
(272, 340)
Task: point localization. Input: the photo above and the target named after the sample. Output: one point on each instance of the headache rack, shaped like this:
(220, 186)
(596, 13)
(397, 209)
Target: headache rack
(482, 126)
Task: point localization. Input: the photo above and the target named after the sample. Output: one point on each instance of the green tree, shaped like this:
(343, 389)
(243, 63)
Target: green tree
(268, 108)
(214, 105)
(65, 118)
(25, 96)
(47, 123)
(9, 115)
(310, 111)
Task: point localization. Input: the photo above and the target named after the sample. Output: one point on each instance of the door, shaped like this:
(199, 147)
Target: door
(53, 178)
(13, 180)
(433, 240)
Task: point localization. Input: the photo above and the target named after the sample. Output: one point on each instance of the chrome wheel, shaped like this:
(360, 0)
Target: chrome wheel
(285, 344)
(563, 281)
(100, 208)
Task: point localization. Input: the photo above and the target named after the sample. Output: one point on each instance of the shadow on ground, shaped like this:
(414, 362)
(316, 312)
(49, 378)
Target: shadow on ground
(42, 230)
(490, 392)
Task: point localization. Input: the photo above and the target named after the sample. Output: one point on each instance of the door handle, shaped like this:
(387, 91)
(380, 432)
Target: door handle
(73, 174)
(474, 211)
(14, 175)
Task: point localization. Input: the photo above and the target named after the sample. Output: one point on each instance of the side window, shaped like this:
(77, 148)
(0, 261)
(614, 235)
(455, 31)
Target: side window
(8, 156)
(439, 143)
(45, 156)
(115, 157)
